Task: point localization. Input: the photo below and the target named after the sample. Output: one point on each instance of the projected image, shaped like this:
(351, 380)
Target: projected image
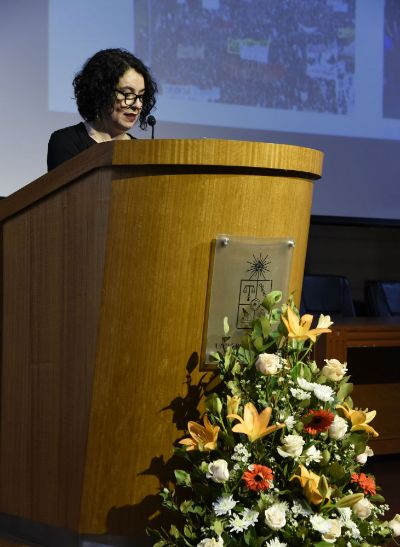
(285, 54)
(391, 84)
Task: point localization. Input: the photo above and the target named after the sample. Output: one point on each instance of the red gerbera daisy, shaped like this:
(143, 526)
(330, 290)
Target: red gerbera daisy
(317, 421)
(258, 477)
(366, 483)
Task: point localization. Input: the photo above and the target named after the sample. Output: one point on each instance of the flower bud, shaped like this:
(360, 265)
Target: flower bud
(326, 456)
(214, 404)
(349, 500)
(232, 404)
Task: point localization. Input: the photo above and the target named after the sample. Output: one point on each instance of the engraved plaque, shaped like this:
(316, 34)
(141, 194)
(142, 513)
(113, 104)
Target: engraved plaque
(243, 271)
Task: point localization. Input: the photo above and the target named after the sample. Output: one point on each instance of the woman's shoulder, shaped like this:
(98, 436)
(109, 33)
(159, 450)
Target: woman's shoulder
(70, 131)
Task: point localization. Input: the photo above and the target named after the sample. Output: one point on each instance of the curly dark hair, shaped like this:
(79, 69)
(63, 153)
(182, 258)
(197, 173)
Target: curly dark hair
(95, 84)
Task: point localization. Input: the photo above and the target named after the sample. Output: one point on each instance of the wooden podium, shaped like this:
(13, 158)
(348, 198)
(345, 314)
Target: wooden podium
(105, 266)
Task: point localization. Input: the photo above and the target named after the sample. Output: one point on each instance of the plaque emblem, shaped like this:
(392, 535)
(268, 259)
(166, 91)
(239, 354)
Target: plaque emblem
(253, 291)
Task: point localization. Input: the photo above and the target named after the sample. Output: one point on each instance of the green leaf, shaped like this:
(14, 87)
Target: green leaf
(218, 527)
(188, 532)
(174, 532)
(259, 344)
(337, 471)
(344, 391)
(265, 326)
(307, 373)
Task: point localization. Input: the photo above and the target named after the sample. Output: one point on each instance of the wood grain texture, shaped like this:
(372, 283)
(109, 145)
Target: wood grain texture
(153, 311)
(104, 291)
(52, 277)
(220, 153)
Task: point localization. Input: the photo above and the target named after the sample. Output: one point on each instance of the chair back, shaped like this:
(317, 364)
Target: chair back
(327, 294)
(382, 298)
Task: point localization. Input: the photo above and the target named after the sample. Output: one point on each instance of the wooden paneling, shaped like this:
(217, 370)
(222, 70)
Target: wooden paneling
(52, 278)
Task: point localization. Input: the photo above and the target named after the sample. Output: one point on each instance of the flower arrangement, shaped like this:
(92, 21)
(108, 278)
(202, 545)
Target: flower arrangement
(277, 460)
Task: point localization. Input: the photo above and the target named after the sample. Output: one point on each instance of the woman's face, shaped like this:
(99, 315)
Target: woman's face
(124, 117)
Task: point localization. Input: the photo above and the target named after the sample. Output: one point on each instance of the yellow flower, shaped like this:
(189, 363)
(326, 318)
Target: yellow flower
(359, 418)
(253, 424)
(201, 437)
(309, 482)
(232, 404)
(300, 328)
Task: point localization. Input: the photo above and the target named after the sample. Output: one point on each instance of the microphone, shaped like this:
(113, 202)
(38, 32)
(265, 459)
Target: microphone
(152, 122)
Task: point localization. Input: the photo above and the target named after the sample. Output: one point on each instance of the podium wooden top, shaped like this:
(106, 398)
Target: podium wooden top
(290, 160)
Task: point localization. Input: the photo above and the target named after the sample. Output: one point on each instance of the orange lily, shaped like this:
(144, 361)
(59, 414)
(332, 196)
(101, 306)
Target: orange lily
(300, 328)
(201, 437)
(309, 482)
(253, 424)
(359, 418)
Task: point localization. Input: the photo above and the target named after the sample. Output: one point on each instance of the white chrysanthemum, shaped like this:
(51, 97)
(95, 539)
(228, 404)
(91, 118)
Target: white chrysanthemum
(307, 386)
(289, 422)
(345, 514)
(323, 393)
(239, 523)
(298, 508)
(224, 505)
(250, 516)
(275, 543)
(299, 394)
(320, 524)
(312, 454)
(352, 526)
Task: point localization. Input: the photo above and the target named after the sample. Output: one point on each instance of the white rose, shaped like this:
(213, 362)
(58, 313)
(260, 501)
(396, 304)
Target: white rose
(334, 370)
(268, 364)
(207, 542)
(362, 509)
(292, 446)
(335, 529)
(218, 471)
(337, 430)
(275, 516)
(395, 524)
(362, 458)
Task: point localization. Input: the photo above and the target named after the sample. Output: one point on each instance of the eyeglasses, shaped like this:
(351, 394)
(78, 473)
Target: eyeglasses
(129, 99)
